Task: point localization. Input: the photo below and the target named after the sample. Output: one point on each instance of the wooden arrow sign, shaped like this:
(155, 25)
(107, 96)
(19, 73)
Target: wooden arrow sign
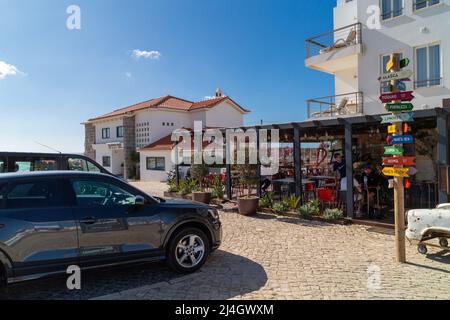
(402, 96)
(404, 63)
(396, 118)
(399, 107)
(400, 139)
(394, 150)
(400, 161)
(396, 172)
(399, 75)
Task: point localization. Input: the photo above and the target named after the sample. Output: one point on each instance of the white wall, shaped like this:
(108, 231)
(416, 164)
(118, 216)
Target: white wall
(224, 115)
(112, 125)
(180, 119)
(399, 34)
(117, 158)
(151, 175)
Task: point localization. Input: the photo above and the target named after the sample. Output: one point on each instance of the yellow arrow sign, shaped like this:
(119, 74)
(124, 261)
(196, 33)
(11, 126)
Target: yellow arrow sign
(396, 172)
(390, 64)
(392, 129)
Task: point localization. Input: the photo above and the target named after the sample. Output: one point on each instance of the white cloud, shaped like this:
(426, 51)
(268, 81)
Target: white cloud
(153, 55)
(128, 75)
(8, 70)
(208, 98)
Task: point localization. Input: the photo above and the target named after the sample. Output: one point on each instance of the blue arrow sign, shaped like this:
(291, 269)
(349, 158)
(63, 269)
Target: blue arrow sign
(401, 140)
(401, 86)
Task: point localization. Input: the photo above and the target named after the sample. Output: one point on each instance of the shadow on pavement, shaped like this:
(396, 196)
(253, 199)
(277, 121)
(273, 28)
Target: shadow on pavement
(224, 276)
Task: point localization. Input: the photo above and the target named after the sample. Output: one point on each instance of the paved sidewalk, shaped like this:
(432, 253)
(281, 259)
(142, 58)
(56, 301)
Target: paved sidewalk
(283, 258)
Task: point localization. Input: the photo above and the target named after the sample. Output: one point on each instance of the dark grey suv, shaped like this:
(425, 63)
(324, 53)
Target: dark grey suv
(51, 220)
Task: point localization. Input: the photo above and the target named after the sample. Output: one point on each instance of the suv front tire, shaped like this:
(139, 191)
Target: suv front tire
(188, 250)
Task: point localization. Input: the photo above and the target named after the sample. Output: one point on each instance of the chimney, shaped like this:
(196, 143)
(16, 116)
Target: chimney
(218, 93)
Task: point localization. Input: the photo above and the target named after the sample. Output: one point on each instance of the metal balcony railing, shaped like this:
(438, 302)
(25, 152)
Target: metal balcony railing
(334, 106)
(334, 40)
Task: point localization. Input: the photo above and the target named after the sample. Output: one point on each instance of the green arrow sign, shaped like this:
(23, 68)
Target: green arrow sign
(396, 118)
(404, 63)
(398, 107)
(394, 150)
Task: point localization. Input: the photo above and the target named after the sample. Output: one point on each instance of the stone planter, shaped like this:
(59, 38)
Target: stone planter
(203, 197)
(248, 206)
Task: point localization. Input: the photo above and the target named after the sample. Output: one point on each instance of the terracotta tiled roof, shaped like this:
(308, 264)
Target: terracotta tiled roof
(169, 102)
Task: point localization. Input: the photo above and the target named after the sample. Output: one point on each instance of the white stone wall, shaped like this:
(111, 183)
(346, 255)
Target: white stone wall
(152, 175)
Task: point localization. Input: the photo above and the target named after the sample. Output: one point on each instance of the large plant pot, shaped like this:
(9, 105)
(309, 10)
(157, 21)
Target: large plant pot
(248, 206)
(203, 197)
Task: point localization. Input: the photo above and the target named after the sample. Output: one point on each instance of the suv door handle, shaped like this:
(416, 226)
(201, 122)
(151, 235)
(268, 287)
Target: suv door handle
(88, 220)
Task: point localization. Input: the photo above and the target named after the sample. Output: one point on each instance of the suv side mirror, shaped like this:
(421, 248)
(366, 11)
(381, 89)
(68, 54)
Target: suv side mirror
(139, 201)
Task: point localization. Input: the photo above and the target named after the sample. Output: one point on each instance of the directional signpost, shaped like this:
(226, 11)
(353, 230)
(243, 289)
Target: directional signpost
(400, 75)
(393, 140)
(401, 96)
(398, 102)
(399, 161)
(399, 107)
(396, 118)
(396, 172)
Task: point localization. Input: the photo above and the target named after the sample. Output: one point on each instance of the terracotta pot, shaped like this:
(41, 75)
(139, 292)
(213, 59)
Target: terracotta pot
(248, 206)
(203, 197)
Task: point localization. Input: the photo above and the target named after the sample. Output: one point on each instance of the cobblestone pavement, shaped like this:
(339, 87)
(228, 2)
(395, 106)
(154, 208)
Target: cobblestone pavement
(266, 257)
(269, 257)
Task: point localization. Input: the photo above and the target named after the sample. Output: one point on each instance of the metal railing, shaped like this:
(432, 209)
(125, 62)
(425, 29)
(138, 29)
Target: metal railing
(428, 83)
(334, 106)
(334, 40)
(421, 4)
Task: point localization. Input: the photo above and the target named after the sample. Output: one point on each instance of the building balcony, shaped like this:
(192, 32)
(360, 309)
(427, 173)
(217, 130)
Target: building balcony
(336, 106)
(336, 50)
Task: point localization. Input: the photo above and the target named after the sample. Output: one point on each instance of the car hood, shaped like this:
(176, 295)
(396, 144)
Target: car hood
(184, 203)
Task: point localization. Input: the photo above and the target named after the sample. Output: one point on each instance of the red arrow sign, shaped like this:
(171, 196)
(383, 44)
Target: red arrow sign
(394, 96)
(399, 161)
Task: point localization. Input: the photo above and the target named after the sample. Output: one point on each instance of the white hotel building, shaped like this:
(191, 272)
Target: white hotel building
(147, 127)
(365, 33)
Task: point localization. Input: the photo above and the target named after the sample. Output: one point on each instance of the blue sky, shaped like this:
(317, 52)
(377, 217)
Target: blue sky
(57, 78)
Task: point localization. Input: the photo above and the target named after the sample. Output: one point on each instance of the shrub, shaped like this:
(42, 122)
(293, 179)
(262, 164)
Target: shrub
(280, 207)
(187, 186)
(333, 214)
(312, 208)
(217, 188)
(266, 200)
(173, 186)
(292, 202)
(199, 172)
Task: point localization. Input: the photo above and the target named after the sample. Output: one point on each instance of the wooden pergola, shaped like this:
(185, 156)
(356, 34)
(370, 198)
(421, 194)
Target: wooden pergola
(347, 127)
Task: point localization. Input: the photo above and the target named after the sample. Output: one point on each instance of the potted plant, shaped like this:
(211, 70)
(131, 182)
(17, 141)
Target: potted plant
(199, 172)
(248, 205)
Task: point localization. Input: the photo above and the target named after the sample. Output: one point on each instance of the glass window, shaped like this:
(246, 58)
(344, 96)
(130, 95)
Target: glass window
(106, 133)
(119, 132)
(92, 167)
(391, 9)
(420, 4)
(106, 161)
(2, 166)
(77, 164)
(156, 163)
(97, 193)
(36, 194)
(428, 66)
(35, 165)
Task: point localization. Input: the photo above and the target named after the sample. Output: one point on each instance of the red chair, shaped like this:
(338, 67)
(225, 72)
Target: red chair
(310, 190)
(327, 197)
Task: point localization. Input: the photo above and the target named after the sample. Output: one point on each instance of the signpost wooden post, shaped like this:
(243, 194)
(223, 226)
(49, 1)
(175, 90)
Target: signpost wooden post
(396, 141)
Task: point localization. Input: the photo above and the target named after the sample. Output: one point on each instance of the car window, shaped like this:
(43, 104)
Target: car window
(2, 165)
(97, 193)
(92, 167)
(77, 164)
(32, 194)
(26, 165)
